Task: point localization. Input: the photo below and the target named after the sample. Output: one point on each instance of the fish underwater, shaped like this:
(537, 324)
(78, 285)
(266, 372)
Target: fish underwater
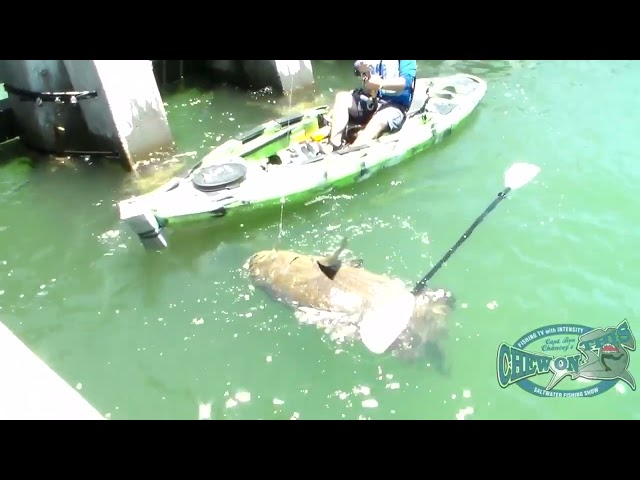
(332, 293)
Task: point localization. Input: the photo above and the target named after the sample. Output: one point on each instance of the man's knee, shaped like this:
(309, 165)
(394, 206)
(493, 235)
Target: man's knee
(343, 100)
(389, 118)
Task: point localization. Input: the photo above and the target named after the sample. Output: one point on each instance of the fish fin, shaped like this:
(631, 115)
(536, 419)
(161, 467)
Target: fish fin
(329, 271)
(627, 378)
(431, 353)
(333, 260)
(321, 317)
(355, 263)
(339, 326)
(307, 315)
(558, 377)
(437, 355)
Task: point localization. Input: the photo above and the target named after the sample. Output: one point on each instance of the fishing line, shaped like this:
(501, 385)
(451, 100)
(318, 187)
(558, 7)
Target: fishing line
(283, 199)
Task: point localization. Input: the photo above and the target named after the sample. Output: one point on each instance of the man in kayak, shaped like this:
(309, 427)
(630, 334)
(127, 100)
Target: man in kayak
(380, 105)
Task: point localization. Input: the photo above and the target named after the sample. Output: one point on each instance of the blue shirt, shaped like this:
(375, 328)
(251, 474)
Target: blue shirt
(388, 69)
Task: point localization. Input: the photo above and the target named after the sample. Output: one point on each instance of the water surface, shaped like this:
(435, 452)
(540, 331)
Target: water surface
(153, 335)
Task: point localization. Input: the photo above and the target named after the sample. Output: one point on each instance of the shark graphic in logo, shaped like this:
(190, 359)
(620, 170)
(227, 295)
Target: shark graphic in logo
(605, 356)
(601, 355)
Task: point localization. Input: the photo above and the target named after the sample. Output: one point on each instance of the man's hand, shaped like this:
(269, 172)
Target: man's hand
(373, 83)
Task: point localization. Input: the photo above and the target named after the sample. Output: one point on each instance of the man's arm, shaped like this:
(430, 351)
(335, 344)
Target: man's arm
(407, 70)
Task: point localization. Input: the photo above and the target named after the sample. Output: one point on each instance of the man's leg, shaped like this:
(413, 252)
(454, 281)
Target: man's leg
(388, 118)
(346, 106)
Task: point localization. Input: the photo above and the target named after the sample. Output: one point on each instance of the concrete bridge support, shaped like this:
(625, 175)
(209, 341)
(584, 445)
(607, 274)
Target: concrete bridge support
(286, 76)
(128, 113)
(47, 126)
(113, 107)
(110, 107)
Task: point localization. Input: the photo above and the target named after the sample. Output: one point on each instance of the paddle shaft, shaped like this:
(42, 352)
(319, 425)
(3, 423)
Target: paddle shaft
(423, 283)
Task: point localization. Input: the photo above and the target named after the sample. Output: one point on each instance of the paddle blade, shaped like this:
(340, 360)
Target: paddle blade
(382, 324)
(519, 174)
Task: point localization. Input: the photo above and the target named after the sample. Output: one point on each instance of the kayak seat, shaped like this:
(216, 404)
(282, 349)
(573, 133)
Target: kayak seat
(419, 97)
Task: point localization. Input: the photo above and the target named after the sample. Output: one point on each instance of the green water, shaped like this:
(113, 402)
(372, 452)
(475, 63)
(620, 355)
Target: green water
(120, 321)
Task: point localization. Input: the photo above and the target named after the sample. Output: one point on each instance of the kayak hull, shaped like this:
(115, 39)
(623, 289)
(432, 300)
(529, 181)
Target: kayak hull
(275, 171)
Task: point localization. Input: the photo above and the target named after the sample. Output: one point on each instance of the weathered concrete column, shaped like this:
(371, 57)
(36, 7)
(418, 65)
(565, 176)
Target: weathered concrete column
(128, 111)
(226, 68)
(8, 127)
(286, 76)
(48, 126)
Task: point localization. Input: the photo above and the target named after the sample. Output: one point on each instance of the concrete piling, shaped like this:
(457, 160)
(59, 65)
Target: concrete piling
(128, 112)
(113, 107)
(225, 69)
(286, 76)
(8, 127)
(109, 107)
(43, 121)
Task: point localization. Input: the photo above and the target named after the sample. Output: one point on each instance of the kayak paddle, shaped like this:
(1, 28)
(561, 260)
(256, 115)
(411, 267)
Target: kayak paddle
(383, 324)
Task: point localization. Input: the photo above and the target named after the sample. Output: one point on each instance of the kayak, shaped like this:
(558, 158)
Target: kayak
(276, 162)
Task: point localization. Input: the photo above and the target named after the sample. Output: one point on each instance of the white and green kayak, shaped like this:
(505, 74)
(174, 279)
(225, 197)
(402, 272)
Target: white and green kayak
(274, 162)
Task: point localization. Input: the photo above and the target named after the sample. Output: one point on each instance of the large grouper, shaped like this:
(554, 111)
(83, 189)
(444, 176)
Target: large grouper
(334, 294)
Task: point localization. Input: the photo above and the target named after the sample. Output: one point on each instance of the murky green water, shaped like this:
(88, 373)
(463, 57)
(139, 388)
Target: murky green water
(127, 325)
